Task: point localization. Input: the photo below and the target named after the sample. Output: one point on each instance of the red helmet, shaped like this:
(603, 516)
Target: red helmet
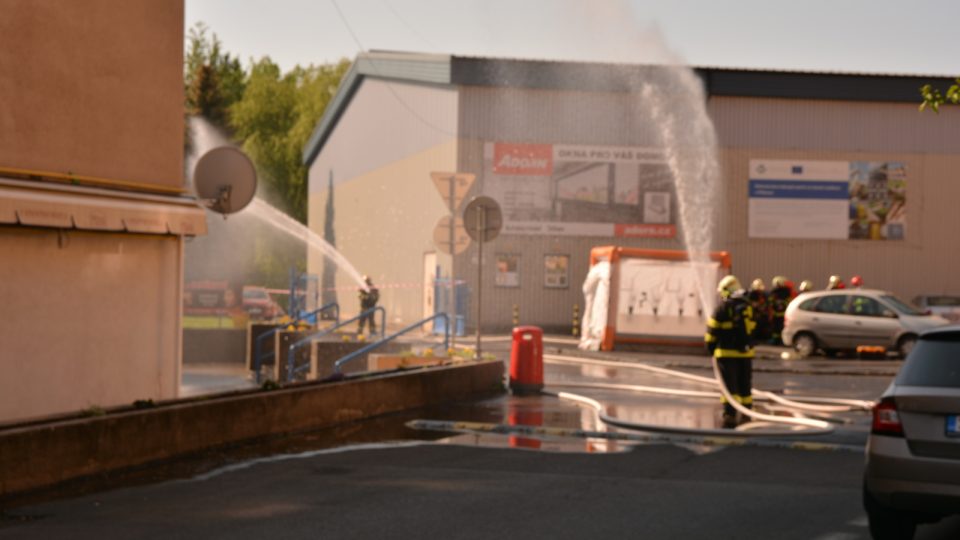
(856, 281)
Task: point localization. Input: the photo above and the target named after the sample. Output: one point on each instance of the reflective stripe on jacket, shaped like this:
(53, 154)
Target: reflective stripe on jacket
(730, 329)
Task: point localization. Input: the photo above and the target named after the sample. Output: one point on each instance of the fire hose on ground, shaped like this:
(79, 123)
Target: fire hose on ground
(799, 424)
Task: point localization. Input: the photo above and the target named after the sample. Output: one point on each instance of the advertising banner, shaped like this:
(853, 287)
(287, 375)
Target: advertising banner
(827, 199)
(570, 190)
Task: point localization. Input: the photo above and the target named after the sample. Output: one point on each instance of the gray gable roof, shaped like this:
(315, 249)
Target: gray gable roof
(449, 70)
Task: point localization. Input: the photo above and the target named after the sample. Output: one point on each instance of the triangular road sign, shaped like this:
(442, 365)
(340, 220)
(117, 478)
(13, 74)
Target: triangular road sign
(460, 184)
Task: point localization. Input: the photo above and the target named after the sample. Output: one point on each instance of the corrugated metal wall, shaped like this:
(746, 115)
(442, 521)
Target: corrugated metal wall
(541, 116)
(388, 141)
(755, 128)
(747, 128)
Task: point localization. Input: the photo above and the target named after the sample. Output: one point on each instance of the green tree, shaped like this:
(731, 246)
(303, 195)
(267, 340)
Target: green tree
(271, 114)
(933, 98)
(213, 80)
(275, 118)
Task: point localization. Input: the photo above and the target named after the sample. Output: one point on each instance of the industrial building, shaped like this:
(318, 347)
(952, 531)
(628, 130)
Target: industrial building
(93, 206)
(819, 174)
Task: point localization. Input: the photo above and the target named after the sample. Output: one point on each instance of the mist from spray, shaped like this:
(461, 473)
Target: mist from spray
(279, 221)
(689, 144)
(207, 137)
(665, 109)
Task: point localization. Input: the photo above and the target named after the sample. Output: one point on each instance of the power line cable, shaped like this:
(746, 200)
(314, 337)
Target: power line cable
(385, 78)
(410, 27)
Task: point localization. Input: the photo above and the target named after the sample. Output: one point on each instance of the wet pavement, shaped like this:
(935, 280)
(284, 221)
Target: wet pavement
(842, 378)
(364, 478)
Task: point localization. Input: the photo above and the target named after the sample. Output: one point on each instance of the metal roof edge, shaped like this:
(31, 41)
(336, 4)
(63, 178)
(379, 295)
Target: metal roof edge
(449, 69)
(817, 85)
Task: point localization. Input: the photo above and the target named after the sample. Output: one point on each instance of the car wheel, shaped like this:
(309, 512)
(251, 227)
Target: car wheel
(887, 523)
(905, 345)
(805, 344)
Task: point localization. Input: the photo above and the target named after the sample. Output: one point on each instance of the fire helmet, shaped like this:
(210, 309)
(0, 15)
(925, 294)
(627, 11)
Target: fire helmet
(835, 282)
(779, 281)
(856, 281)
(806, 286)
(757, 285)
(728, 285)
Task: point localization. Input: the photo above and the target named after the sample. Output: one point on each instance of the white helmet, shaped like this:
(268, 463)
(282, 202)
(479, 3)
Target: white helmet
(728, 285)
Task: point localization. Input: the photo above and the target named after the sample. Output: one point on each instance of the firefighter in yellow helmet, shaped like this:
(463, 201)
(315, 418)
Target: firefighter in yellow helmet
(760, 302)
(780, 296)
(806, 286)
(835, 283)
(729, 338)
(368, 300)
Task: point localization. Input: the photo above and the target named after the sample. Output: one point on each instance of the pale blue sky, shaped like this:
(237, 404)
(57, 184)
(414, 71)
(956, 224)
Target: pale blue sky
(879, 36)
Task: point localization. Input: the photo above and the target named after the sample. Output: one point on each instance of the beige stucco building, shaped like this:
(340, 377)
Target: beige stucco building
(93, 210)
(575, 155)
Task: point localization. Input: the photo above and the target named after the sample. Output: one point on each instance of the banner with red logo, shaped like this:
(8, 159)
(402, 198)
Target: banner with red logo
(523, 159)
(581, 190)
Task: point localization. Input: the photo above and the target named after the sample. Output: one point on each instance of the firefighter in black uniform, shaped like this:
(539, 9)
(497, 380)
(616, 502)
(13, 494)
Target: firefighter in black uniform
(368, 300)
(729, 338)
(761, 309)
(779, 298)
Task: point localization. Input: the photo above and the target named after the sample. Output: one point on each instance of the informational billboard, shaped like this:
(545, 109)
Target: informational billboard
(569, 190)
(834, 200)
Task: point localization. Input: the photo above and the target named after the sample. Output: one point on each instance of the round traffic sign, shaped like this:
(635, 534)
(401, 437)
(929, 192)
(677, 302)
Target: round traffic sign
(482, 218)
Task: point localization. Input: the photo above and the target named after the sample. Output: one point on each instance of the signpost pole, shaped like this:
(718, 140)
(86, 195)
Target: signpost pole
(452, 301)
(481, 230)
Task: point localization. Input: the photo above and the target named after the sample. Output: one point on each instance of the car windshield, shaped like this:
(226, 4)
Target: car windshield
(933, 362)
(943, 301)
(901, 306)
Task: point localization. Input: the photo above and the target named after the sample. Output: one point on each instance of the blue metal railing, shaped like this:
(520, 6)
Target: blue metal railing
(292, 370)
(259, 356)
(360, 352)
(312, 317)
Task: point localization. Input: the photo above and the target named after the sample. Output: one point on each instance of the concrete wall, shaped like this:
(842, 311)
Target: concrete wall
(91, 319)
(386, 206)
(45, 454)
(93, 88)
(929, 144)
(214, 346)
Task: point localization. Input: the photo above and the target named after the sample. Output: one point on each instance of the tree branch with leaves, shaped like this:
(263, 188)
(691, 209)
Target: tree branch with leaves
(933, 98)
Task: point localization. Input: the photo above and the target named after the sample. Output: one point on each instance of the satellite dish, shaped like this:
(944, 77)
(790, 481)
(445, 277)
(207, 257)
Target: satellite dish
(225, 180)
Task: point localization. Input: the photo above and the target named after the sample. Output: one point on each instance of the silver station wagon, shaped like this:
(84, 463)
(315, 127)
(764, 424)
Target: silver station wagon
(844, 319)
(912, 472)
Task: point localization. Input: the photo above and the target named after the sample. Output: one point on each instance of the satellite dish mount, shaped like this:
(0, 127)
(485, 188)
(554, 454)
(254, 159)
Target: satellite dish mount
(225, 180)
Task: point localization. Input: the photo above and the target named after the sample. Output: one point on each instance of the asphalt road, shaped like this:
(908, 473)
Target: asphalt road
(477, 486)
(449, 491)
